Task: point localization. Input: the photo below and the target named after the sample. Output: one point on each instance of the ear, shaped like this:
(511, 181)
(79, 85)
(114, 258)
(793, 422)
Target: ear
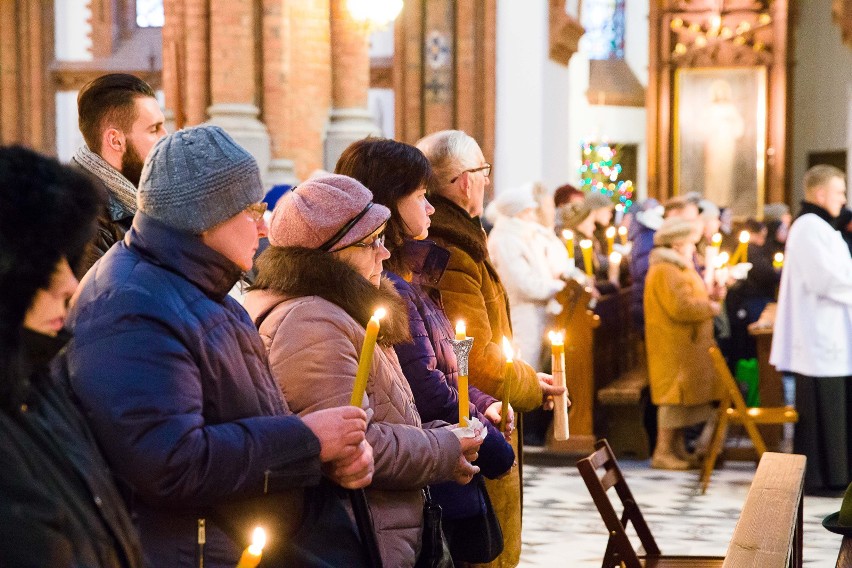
(114, 139)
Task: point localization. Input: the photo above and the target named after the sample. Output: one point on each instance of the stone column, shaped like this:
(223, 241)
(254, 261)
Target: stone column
(233, 76)
(349, 118)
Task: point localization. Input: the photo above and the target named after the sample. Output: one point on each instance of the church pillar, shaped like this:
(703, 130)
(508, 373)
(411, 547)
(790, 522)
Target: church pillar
(234, 78)
(349, 118)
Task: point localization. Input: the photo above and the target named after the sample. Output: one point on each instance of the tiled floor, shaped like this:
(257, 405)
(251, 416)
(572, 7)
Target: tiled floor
(562, 528)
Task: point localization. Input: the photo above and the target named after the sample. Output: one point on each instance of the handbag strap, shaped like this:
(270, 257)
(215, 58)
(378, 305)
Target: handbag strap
(366, 531)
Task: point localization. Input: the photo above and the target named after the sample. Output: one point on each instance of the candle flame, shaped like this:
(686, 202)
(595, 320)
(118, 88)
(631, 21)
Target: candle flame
(566, 234)
(717, 239)
(461, 329)
(722, 259)
(379, 314)
(610, 232)
(555, 337)
(258, 541)
(619, 207)
(507, 349)
(779, 257)
(615, 257)
(745, 237)
(586, 244)
(622, 231)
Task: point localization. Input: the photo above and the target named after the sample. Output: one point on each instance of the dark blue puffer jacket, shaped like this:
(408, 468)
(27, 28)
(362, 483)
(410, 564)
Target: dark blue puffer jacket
(172, 376)
(430, 366)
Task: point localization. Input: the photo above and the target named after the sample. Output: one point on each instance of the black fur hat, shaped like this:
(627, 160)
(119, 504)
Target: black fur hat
(47, 211)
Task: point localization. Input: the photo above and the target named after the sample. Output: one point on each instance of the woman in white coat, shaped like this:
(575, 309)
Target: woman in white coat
(531, 262)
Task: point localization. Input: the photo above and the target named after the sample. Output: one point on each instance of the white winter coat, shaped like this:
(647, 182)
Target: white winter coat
(530, 260)
(813, 325)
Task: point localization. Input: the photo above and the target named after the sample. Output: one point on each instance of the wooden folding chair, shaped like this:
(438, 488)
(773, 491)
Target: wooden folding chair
(733, 409)
(619, 550)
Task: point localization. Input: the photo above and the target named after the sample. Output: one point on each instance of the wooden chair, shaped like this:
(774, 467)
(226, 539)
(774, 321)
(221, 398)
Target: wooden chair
(733, 409)
(619, 550)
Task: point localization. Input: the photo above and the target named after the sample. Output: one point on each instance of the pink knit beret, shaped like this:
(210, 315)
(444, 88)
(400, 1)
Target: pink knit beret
(329, 212)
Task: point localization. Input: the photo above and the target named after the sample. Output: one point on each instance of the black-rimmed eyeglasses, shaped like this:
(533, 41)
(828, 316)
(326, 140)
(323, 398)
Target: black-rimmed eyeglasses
(486, 171)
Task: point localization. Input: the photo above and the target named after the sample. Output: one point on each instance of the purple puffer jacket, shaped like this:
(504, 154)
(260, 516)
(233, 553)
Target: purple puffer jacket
(430, 366)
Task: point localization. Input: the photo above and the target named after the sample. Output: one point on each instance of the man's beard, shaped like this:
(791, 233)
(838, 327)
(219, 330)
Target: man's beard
(131, 164)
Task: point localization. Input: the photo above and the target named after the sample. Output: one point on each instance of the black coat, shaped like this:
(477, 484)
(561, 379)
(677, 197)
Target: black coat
(59, 506)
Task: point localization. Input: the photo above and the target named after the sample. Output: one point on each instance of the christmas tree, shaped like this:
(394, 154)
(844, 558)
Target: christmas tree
(600, 171)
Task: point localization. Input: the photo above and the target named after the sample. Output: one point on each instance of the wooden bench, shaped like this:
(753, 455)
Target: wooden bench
(625, 400)
(769, 532)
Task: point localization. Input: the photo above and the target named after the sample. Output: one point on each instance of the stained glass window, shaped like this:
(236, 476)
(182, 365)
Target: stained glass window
(149, 13)
(604, 23)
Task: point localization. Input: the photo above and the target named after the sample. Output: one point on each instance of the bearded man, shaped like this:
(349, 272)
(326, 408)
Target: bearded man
(120, 120)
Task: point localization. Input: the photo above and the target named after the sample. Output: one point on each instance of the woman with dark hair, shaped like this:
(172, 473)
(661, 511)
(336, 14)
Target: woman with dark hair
(58, 504)
(397, 174)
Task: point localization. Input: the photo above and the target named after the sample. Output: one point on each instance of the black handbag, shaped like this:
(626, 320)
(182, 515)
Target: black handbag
(434, 552)
(483, 537)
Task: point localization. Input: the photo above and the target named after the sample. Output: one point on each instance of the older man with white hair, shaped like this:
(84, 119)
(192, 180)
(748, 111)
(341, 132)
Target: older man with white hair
(472, 291)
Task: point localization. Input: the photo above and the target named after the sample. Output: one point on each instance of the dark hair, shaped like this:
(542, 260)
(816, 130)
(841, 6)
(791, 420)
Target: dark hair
(754, 226)
(109, 100)
(391, 170)
(564, 193)
(677, 204)
(47, 212)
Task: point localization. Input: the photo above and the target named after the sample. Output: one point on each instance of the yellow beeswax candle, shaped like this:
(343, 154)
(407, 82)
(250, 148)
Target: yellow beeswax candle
(464, 395)
(366, 359)
(569, 242)
(586, 247)
(741, 254)
(778, 261)
(610, 239)
(622, 235)
(716, 240)
(252, 554)
(507, 383)
(560, 402)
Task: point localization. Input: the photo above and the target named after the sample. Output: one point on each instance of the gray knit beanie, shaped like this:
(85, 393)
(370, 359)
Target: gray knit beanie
(197, 178)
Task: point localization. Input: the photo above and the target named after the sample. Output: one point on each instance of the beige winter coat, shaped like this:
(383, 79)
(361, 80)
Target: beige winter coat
(679, 332)
(314, 345)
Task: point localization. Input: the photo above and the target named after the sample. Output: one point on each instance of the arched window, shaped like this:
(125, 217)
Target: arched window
(149, 13)
(604, 23)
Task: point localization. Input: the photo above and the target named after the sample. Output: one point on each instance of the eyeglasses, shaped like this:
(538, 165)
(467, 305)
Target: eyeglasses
(256, 211)
(486, 169)
(377, 243)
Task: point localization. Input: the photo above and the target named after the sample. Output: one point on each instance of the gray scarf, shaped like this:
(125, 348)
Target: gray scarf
(122, 193)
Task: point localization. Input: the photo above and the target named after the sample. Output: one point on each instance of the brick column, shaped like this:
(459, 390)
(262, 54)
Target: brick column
(349, 119)
(197, 50)
(277, 101)
(233, 78)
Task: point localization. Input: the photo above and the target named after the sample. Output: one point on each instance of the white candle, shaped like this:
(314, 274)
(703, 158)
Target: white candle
(560, 401)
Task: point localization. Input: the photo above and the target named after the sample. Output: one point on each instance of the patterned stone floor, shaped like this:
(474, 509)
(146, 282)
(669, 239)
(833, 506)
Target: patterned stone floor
(562, 528)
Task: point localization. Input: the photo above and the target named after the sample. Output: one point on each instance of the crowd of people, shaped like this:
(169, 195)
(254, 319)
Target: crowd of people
(158, 412)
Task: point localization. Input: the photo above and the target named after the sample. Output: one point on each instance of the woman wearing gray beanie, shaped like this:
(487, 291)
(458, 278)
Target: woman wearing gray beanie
(317, 285)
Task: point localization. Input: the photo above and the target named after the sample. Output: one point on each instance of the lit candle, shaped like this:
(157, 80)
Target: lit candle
(614, 267)
(778, 261)
(251, 555)
(464, 396)
(507, 384)
(716, 241)
(610, 239)
(622, 235)
(366, 359)
(569, 242)
(619, 213)
(560, 402)
(721, 269)
(586, 247)
(741, 254)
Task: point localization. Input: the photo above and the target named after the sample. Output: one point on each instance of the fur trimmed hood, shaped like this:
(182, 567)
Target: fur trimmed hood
(452, 225)
(663, 254)
(295, 272)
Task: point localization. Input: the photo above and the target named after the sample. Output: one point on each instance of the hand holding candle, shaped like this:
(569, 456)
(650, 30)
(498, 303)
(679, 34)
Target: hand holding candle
(610, 239)
(560, 407)
(461, 346)
(507, 384)
(569, 242)
(586, 247)
(251, 555)
(366, 359)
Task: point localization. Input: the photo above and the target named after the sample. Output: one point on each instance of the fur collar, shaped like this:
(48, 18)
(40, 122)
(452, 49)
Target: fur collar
(663, 254)
(296, 272)
(452, 225)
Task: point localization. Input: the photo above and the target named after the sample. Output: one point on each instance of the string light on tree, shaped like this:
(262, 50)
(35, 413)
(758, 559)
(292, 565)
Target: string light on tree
(600, 171)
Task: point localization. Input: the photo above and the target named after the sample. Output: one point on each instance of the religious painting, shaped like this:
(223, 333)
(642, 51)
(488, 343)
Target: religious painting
(720, 136)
